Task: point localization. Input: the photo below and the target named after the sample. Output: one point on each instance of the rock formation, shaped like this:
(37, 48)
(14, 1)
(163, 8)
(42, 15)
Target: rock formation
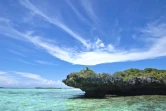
(98, 85)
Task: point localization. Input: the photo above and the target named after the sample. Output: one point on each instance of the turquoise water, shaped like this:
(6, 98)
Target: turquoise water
(72, 100)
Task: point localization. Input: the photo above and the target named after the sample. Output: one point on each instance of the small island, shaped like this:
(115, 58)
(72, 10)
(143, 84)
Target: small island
(130, 82)
(47, 88)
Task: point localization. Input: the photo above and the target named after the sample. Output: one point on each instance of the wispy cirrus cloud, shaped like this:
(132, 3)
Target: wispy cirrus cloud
(80, 16)
(45, 62)
(26, 62)
(17, 53)
(88, 7)
(154, 29)
(54, 21)
(102, 53)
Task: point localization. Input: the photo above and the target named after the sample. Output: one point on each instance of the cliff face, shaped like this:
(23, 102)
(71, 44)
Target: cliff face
(97, 85)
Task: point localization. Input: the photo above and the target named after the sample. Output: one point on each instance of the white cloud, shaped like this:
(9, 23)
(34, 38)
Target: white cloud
(100, 54)
(45, 62)
(17, 53)
(87, 4)
(40, 81)
(155, 29)
(26, 79)
(2, 72)
(30, 75)
(110, 48)
(80, 16)
(54, 21)
(99, 43)
(6, 81)
(26, 62)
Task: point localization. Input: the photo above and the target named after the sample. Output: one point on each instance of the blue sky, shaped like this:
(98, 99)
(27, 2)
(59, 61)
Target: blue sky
(43, 41)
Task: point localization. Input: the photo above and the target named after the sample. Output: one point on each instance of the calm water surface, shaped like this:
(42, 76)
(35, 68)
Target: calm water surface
(72, 100)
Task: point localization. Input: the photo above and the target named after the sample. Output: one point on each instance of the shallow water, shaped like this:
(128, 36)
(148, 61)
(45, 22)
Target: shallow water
(72, 100)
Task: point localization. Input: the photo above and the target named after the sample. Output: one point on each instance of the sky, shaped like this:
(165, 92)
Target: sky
(41, 42)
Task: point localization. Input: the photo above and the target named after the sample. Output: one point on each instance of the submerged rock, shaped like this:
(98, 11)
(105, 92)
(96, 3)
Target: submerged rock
(98, 85)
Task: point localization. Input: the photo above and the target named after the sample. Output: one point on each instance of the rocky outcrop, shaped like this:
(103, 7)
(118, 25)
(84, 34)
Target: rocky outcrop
(99, 86)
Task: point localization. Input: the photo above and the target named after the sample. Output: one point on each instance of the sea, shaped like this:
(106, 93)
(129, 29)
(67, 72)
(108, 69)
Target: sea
(73, 100)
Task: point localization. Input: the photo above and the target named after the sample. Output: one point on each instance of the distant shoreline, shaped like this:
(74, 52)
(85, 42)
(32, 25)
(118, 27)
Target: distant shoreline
(50, 88)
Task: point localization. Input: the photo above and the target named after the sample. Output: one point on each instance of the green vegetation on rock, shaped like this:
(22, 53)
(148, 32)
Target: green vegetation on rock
(147, 72)
(83, 73)
(126, 74)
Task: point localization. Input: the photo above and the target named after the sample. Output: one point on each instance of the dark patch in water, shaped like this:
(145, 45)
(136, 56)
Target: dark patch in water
(83, 97)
